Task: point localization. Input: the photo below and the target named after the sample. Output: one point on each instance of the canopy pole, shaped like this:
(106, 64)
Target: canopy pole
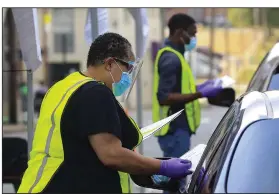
(138, 30)
(94, 23)
(30, 110)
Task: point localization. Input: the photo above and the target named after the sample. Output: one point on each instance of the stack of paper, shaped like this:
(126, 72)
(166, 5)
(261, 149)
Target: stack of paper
(225, 81)
(194, 155)
(151, 129)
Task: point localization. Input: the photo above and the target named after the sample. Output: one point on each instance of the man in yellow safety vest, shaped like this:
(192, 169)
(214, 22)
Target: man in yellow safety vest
(175, 89)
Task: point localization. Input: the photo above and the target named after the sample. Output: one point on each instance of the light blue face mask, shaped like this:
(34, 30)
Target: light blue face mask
(191, 45)
(120, 87)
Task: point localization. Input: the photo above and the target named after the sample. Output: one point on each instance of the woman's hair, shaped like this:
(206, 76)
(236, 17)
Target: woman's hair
(108, 45)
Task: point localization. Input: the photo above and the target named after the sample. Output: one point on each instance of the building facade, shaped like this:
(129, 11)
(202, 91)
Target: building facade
(66, 45)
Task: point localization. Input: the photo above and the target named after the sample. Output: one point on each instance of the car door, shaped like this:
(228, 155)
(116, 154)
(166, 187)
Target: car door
(214, 153)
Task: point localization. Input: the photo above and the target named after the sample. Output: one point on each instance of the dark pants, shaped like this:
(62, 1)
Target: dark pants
(175, 144)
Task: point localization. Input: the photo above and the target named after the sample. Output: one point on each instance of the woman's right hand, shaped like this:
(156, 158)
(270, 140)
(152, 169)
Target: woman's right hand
(175, 168)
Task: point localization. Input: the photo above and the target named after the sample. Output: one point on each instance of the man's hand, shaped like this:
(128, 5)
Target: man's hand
(175, 168)
(204, 84)
(210, 91)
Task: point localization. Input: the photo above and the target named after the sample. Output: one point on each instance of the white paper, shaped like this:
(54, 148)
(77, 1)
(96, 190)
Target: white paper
(151, 129)
(103, 24)
(225, 81)
(26, 21)
(194, 155)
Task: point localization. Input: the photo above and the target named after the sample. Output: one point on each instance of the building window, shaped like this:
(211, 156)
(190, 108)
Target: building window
(63, 30)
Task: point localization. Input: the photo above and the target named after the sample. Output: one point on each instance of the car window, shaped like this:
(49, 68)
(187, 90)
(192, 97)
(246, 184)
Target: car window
(259, 80)
(274, 82)
(254, 167)
(224, 128)
(260, 68)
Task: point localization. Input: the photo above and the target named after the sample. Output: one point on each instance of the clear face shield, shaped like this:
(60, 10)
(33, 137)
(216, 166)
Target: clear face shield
(133, 71)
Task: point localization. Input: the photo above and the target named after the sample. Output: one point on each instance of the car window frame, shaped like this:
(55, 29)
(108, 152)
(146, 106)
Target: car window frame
(270, 57)
(263, 62)
(208, 151)
(273, 63)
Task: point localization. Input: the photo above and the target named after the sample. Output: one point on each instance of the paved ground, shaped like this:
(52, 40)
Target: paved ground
(211, 116)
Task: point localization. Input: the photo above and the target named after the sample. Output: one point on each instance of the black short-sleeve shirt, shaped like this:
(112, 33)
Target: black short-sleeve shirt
(92, 109)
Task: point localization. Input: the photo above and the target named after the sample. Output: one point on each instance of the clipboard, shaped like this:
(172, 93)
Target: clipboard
(149, 130)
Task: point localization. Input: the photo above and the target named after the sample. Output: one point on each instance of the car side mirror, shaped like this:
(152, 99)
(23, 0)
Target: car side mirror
(146, 181)
(224, 99)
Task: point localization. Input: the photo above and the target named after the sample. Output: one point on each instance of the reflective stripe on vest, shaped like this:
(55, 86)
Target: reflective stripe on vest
(187, 86)
(47, 152)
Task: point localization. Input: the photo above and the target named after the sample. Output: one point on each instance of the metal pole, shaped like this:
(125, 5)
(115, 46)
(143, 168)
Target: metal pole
(45, 47)
(227, 46)
(256, 21)
(265, 23)
(139, 89)
(138, 29)
(30, 109)
(94, 23)
(162, 18)
(64, 49)
(212, 26)
(12, 62)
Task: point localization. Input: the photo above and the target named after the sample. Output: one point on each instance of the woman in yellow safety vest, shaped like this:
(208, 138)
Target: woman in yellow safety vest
(84, 140)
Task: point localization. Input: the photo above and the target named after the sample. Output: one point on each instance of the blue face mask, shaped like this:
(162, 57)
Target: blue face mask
(120, 87)
(191, 45)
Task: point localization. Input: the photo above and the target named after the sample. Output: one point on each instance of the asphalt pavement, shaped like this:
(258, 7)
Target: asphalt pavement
(211, 116)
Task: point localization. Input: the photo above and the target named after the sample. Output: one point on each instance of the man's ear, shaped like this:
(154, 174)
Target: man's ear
(108, 63)
(186, 36)
(178, 32)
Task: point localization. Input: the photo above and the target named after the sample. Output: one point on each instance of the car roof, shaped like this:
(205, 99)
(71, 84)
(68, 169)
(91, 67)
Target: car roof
(274, 52)
(258, 105)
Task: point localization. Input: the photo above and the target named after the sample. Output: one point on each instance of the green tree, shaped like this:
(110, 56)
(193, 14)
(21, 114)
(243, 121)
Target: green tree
(273, 17)
(240, 17)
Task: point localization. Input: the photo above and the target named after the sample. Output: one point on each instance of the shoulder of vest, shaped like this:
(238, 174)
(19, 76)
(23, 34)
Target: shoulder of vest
(168, 48)
(95, 83)
(178, 54)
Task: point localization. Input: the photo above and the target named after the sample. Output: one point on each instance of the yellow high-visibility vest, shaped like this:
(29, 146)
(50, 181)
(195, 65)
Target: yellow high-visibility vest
(187, 86)
(47, 152)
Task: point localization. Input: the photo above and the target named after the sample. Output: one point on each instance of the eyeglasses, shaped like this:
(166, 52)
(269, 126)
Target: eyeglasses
(129, 64)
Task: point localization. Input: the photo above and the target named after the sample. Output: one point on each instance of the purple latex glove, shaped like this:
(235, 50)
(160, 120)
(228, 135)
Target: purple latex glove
(204, 84)
(175, 168)
(202, 178)
(210, 91)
